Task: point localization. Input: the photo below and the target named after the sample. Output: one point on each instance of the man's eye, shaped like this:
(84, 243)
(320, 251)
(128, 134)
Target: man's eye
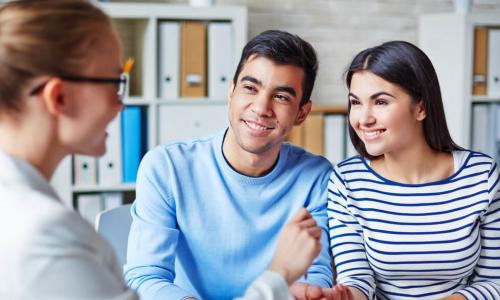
(282, 98)
(249, 88)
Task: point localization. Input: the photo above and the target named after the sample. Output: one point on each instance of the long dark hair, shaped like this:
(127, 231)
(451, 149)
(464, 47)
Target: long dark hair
(404, 64)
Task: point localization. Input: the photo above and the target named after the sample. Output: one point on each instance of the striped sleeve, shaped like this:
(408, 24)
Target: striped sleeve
(346, 240)
(485, 282)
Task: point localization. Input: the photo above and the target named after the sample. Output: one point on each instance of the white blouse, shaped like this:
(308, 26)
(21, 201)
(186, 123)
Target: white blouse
(46, 250)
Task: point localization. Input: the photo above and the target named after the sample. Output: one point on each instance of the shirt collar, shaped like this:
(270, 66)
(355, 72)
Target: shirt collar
(18, 172)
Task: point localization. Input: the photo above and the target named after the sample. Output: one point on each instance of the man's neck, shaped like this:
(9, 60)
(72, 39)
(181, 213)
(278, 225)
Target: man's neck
(247, 163)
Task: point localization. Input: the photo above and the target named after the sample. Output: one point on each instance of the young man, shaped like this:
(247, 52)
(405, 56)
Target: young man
(208, 212)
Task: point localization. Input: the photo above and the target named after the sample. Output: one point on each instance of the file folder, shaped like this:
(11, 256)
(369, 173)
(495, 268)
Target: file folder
(134, 141)
(112, 200)
(480, 128)
(220, 58)
(493, 85)
(480, 58)
(85, 170)
(89, 205)
(193, 59)
(335, 139)
(110, 164)
(182, 122)
(168, 58)
(313, 134)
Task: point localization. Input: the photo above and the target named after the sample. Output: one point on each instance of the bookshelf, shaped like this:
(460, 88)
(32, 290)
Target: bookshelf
(167, 117)
(451, 40)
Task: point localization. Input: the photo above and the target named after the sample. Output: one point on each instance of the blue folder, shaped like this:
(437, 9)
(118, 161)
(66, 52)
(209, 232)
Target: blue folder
(134, 140)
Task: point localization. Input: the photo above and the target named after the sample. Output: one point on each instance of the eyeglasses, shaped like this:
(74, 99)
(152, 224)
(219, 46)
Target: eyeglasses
(120, 83)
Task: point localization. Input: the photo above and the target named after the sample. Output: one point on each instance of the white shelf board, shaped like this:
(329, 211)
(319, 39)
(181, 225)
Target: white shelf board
(485, 99)
(173, 11)
(191, 101)
(104, 188)
(137, 101)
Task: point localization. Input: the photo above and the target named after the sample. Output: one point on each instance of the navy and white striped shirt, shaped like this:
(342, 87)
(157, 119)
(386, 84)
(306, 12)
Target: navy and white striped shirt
(417, 241)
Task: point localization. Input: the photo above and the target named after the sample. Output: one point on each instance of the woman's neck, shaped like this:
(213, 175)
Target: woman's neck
(32, 143)
(415, 165)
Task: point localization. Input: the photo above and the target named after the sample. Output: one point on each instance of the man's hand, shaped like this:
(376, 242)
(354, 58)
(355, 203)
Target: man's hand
(297, 247)
(304, 291)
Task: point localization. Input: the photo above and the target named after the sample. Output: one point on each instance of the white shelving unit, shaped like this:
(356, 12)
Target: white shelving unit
(448, 40)
(137, 25)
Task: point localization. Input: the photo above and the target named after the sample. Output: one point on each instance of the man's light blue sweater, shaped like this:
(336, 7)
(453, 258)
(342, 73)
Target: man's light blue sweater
(201, 229)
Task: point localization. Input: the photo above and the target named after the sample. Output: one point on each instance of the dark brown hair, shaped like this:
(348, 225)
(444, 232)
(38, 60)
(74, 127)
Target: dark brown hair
(404, 64)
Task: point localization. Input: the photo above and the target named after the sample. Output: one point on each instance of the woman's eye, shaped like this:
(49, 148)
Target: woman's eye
(380, 102)
(354, 101)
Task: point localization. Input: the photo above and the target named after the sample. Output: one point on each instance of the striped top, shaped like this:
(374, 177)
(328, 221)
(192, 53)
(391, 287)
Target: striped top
(417, 241)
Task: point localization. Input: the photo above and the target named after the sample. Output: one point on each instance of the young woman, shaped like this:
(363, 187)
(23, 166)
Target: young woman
(61, 83)
(414, 216)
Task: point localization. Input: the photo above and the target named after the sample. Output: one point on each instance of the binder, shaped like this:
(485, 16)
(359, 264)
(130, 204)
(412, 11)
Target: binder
(85, 170)
(109, 166)
(112, 200)
(493, 87)
(480, 57)
(220, 58)
(89, 205)
(350, 150)
(168, 58)
(335, 139)
(480, 127)
(296, 136)
(193, 59)
(313, 134)
(182, 122)
(134, 141)
(496, 129)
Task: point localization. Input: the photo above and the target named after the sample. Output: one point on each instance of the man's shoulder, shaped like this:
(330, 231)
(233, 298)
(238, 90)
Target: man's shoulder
(182, 150)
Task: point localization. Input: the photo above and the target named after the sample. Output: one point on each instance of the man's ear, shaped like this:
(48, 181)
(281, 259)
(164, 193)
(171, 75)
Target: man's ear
(53, 96)
(230, 91)
(421, 113)
(304, 110)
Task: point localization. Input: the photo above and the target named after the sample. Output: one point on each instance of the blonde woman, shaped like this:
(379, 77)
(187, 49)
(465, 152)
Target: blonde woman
(60, 84)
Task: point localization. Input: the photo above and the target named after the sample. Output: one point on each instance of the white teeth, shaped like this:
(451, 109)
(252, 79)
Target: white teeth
(255, 126)
(373, 133)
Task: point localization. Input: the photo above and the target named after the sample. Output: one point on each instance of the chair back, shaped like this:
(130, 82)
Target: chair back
(114, 226)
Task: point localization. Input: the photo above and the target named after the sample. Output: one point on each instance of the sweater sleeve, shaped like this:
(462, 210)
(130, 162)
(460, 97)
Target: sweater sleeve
(153, 238)
(346, 240)
(320, 272)
(485, 281)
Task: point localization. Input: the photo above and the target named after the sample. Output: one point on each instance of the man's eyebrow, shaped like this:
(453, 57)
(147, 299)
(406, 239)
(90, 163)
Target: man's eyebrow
(251, 79)
(288, 89)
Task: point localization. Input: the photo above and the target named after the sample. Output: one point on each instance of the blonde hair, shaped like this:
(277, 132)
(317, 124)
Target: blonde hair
(44, 37)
